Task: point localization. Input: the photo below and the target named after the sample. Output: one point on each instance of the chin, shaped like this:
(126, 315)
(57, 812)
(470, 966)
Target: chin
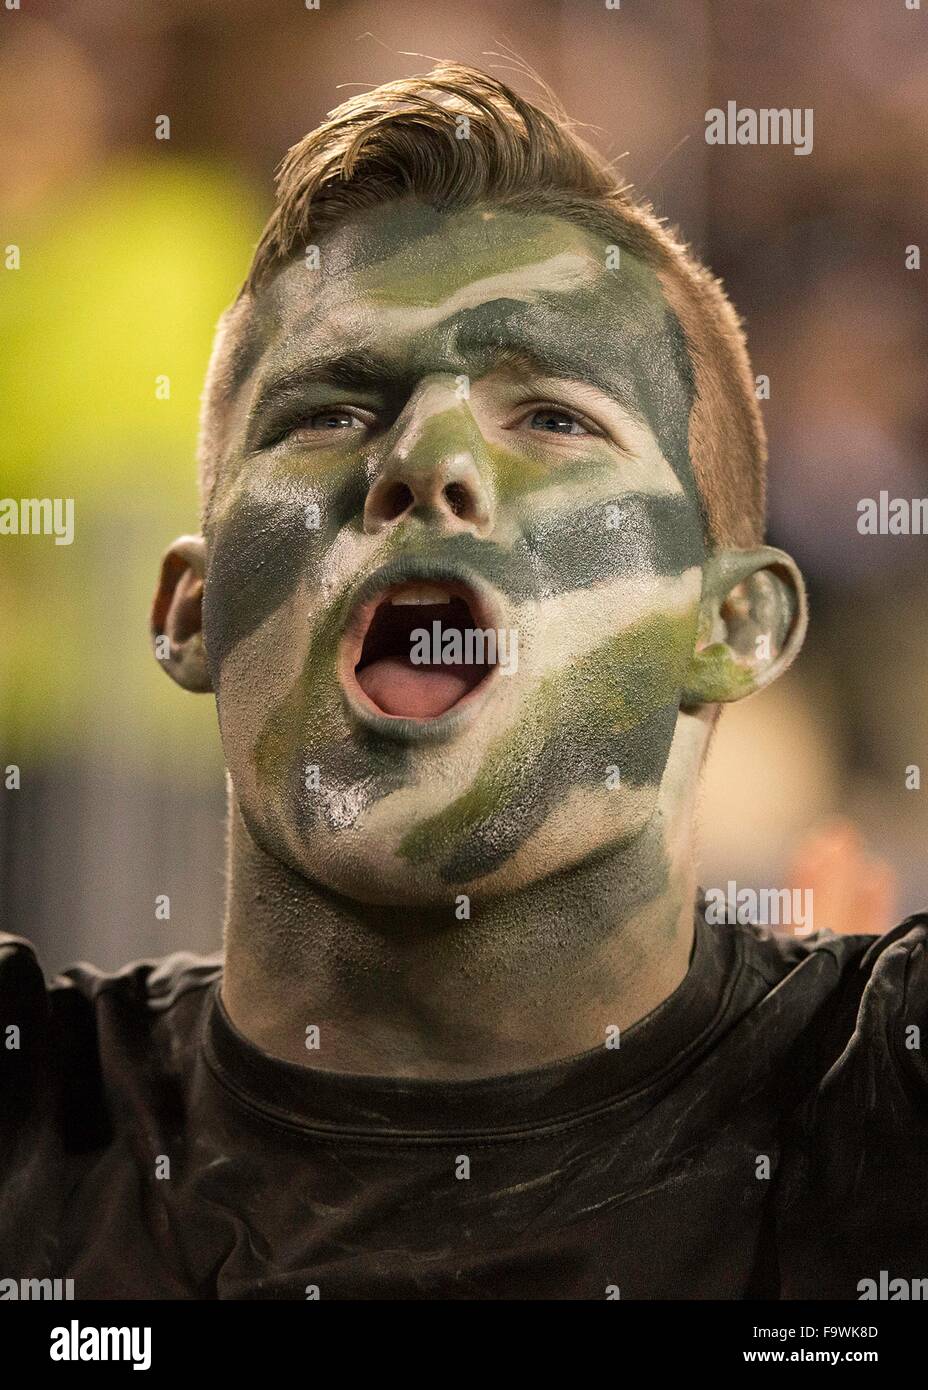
(360, 865)
(362, 871)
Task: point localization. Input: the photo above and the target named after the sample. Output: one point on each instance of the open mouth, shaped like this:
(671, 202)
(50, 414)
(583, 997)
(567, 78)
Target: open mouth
(410, 651)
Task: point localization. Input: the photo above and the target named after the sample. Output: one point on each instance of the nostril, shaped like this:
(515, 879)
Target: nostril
(395, 501)
(456, 496)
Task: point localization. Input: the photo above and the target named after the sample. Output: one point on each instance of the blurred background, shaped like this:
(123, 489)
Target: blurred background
(131, 246)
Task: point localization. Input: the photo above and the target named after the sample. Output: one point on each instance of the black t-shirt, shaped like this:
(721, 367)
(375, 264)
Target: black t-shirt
(763, 1133)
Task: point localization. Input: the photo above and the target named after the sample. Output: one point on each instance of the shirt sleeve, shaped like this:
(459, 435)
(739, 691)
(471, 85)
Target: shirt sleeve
(852, 1195)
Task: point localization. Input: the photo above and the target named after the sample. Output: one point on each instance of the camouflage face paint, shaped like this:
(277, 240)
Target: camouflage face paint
(525, 773)
(420, 340)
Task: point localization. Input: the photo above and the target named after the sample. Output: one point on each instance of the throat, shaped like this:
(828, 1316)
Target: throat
(537, 977)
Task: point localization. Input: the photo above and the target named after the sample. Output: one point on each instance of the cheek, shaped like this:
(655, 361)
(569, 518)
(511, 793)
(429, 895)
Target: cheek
(600, 698)
(257, 676)
(258, 554)
(279, 551)
(612, 569)
(276, 529)
(593, 524)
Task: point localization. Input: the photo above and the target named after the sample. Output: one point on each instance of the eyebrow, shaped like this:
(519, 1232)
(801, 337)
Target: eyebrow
(544, 359)
(365, 369)
(344, 369)
(542, 362)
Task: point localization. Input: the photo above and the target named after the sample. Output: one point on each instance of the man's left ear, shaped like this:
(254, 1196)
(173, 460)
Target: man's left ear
(176, 614)
(752, 622)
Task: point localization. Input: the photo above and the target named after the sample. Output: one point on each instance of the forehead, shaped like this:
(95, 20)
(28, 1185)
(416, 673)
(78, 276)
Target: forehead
(433, 291)
(408, 272)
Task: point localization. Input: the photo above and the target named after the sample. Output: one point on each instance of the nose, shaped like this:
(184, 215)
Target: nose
(433, 472)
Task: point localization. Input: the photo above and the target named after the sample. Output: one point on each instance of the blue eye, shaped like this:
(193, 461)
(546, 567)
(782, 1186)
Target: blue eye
(555, 422)
(314, 429)
(330, 420)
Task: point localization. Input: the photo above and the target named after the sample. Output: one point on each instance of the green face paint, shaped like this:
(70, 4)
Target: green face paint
(627, 686)
(430, 342)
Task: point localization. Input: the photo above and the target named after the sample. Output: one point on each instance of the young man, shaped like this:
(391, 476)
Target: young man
(482, 555)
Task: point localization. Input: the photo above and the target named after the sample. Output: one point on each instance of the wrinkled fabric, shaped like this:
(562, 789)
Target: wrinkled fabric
(762, 1134)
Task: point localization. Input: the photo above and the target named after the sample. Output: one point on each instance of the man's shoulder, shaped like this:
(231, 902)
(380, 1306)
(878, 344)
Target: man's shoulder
(890, 979)
(852, 1196)
(818, 999)
(843, 961)
(84, 1055)
(152, 984)
(70, 1045)
(858, 1020)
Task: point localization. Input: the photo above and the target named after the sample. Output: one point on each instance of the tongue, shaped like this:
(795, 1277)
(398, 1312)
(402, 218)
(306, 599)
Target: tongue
(418, 692)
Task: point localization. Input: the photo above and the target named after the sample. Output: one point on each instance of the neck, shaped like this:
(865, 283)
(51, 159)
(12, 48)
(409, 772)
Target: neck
(533, 977)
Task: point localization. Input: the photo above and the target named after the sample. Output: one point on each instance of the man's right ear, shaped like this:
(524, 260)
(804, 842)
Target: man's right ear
(176, 614)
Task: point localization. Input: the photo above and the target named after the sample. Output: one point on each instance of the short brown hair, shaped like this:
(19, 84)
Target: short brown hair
(402, 140)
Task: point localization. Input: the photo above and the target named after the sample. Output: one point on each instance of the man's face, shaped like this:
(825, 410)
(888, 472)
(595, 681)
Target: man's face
(458, 423)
